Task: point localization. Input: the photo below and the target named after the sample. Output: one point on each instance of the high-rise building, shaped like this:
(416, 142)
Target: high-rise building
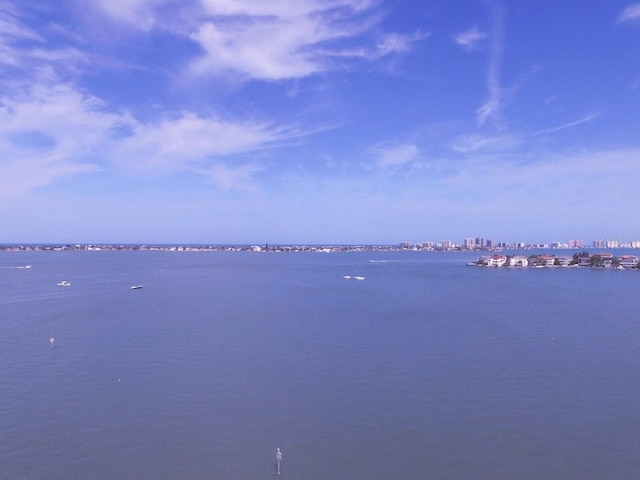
(468, 243)
(479, 242)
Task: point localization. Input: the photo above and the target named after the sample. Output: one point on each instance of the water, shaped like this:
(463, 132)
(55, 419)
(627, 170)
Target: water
(425, 369)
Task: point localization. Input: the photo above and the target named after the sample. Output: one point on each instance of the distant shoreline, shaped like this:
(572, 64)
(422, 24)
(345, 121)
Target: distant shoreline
(55, 247)
(494, 258)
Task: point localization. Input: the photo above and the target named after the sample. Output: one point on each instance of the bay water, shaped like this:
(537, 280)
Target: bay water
(424, 369)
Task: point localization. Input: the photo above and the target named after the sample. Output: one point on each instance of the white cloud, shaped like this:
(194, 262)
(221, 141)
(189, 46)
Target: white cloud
(274, 40)
(140, 14)
(394, 155)
(473, 143)
(397, 43)
(470, 38)
(585, 119)
(490, 109)
(191, 143)
(630, 14)
(236, 177)
(530, 184)
(49, 131)
(267, 40)
(13, 30)
(25, 50)
(270, 50)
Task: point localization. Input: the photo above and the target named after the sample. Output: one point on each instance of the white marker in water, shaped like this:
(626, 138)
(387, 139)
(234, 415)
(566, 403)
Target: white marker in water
(52, 341)
(278, 458)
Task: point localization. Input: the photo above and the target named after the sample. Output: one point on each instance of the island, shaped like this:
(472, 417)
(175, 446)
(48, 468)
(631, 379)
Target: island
(583, 259)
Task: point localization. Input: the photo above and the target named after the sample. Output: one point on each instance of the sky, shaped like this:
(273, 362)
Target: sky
(319, 121)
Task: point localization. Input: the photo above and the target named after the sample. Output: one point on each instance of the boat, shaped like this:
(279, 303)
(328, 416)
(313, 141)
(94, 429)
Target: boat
(136, 287)
(359, 278)
(63, 283)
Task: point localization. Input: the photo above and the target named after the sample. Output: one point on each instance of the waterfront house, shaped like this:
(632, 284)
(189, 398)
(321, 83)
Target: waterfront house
(565, 260)
(603, 259)
(518, 261)
(546, 260)
(629, 261)
(497, 260)
(584, 260)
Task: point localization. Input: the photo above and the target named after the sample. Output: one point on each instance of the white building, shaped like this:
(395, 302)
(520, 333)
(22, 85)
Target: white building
(518, 261)
(564, 260)
(497, 261)
(629, 261)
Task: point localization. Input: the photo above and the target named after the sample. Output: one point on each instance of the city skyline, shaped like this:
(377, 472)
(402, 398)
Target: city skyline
(336, 122)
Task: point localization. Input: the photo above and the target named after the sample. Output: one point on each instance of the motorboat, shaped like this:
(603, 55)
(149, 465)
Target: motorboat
(63, 283)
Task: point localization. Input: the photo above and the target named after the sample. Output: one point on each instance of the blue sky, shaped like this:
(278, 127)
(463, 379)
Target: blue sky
(319, 121)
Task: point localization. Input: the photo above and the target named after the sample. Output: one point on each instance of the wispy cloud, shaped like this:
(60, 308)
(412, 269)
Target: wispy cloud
(392, 43)
(192, 143)
(232, 177)
(268, 40)
(47, 132)
(470, 38)
(589, 170)
(275, 40)
(389, 155)
(490, 109)
(631, 13)
(473, 143)
(52, 130)
(29, 53)
(586, 119)
(141, 14)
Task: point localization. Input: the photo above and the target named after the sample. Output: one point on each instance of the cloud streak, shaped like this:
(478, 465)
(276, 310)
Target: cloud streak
(267, 40)
(473, 143)
(276, 40)
(470, 39)
(585, 119)
(52, 130)
(490, 109)
(390, 156)
(47, 132)
(631, 13)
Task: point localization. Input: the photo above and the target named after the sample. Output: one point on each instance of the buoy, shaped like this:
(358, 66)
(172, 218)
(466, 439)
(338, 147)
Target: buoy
(278, 458)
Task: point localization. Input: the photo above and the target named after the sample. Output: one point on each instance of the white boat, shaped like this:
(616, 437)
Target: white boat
(346, 276)
(136, 287)
(359, 278)
(63, 283)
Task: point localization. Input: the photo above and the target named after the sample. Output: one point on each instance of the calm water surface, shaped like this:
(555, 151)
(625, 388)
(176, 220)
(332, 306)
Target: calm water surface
(427, 369)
